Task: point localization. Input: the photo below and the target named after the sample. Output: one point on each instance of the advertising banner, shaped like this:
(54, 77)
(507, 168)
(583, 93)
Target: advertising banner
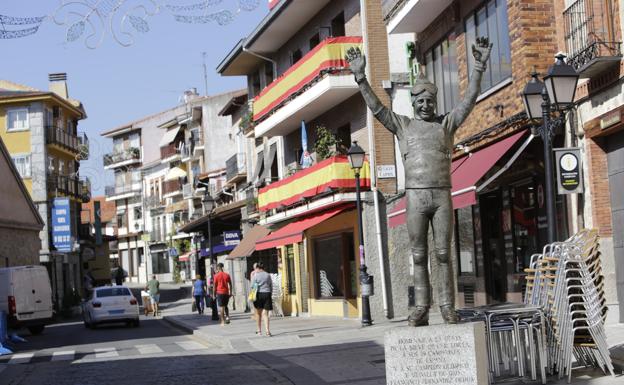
(231, 238)
(61, 225)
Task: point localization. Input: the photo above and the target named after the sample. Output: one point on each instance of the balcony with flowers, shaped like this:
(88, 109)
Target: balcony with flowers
(327, 183)
(317, 82)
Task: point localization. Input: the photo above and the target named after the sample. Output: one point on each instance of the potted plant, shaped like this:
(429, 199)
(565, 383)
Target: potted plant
(326, 143)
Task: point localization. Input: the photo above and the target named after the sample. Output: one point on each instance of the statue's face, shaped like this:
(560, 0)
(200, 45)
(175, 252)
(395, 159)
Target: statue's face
(424, 105)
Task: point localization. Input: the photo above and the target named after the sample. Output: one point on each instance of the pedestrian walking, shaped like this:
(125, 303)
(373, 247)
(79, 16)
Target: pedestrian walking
(199, 292)
(222, 291)
(153, 286)
(254, 315)
(263, 303)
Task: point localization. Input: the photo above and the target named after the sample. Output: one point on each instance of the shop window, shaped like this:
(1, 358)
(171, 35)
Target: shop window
(338, 25)
(290, 268)
(334, 265)
(441, 69)
(524, 219)
(491, 20)
(464, 241)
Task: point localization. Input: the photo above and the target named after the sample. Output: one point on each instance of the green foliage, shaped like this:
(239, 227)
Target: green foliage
(326, 142)
(182, 246)
(246, 122)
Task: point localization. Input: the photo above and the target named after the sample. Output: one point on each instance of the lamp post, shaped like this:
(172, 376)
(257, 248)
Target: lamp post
(209, 204)
(556, 93)
(356, 158)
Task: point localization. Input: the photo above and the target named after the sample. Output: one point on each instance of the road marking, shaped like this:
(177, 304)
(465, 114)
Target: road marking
(21, 358)
(106, 353)
(148, 349)
(190, 345)
(63, 356)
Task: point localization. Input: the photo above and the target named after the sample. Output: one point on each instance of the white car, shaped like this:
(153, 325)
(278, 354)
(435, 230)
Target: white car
(110, 304)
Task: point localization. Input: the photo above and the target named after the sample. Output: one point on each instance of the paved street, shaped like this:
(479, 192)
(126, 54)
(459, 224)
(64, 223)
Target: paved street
(154, 353)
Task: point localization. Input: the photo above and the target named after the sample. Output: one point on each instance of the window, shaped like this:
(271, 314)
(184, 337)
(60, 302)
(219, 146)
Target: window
(464, 241)
(22, 164)
(255, 84)
(113, 292)
(17, 119)
(343, 134)
(121, 220)
(136, 176)
(295, 56)
(335, 272)
(134, 140)
(138, 213)
(268, 73)
(441, 69)
(338, 25)
(491, 20)
(314, 41)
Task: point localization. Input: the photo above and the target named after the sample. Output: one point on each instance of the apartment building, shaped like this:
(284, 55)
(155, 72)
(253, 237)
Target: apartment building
(299, 86)
(40, 131)
(158, 161)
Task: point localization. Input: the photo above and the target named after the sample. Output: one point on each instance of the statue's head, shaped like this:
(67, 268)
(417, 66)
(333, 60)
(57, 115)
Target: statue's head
(424, 96)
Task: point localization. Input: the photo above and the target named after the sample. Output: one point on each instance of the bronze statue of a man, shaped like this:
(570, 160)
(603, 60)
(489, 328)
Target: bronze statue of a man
(426, 145)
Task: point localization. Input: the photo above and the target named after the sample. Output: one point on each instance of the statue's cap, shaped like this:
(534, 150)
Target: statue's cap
(423, 84)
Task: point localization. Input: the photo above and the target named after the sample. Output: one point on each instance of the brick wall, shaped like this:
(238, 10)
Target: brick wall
(599, 185)
(533, 43)
(379, 71)
(19, 247)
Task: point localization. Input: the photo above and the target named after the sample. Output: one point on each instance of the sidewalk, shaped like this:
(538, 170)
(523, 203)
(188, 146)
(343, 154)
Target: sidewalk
(318, 350)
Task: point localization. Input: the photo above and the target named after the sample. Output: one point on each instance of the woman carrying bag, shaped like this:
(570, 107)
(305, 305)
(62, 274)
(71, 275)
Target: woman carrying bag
(263, 302)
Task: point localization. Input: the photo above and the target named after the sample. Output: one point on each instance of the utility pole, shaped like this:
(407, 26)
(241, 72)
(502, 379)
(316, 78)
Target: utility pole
(205, 73)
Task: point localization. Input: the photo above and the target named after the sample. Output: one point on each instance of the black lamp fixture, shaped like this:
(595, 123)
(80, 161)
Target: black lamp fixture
(209, 202)
(560, 82)
(556, 93)
(356, 157)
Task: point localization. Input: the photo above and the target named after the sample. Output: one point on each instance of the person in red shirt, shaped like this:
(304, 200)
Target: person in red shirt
(222, 290)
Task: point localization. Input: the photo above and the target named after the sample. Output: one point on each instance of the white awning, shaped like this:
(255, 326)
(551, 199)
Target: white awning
(175, 173)
(169, 136)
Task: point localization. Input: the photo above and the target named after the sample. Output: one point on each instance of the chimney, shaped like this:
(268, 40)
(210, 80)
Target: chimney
(58, 84)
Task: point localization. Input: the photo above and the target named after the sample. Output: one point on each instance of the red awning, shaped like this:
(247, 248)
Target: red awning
(293, 232)
(465, 173)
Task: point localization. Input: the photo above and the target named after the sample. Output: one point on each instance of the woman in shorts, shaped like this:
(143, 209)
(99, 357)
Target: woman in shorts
(263, 303)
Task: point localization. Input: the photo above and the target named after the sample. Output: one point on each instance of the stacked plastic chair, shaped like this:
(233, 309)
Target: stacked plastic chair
(566, 281)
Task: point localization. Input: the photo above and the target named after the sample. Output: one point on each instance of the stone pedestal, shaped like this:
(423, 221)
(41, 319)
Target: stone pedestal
(437, 355)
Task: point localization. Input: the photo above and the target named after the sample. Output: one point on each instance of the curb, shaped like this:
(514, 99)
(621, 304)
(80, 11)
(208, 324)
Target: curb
(221, 342)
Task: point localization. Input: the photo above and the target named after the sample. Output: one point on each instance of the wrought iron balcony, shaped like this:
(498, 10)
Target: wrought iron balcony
(590, 37)
(131, 154)
(77, 144)
(69, 186)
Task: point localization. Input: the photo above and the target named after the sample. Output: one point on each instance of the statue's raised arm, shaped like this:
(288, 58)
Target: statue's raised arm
(481, 53)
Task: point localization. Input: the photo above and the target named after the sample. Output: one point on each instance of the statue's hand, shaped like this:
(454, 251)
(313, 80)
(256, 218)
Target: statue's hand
(357, 61)
(482, 50)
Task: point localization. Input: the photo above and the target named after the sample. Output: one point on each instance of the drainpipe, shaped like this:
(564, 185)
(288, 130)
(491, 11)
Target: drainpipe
(371, 146)
(264, 58)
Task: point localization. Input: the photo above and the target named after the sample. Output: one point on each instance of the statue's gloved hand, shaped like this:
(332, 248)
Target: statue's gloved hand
(357, 62)
(481, 52)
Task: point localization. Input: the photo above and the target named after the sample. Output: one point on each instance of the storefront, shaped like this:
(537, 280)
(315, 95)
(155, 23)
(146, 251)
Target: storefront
(500, 218)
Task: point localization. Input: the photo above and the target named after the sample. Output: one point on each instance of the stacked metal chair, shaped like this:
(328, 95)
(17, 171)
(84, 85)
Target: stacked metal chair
(566, 282)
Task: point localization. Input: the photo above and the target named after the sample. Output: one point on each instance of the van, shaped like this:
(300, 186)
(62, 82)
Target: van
(26, 297)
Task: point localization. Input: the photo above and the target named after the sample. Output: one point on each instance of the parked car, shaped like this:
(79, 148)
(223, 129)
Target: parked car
(109, 304)
(26, 297)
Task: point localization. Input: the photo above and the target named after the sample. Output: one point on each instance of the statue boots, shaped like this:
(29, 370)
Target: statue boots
(446, 289)
(419, 316)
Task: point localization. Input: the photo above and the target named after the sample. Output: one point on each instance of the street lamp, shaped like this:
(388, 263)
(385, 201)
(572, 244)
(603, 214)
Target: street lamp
(556, 93)
(209, 205)
(356, 158)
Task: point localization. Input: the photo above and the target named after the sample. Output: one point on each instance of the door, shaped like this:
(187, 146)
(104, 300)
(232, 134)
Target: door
(491, 209)
(23, 290)
(615, 167)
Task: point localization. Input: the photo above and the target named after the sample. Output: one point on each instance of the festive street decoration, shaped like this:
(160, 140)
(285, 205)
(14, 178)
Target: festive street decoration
(91, 20)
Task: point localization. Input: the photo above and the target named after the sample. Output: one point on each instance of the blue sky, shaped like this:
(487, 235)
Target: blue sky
(119, 84)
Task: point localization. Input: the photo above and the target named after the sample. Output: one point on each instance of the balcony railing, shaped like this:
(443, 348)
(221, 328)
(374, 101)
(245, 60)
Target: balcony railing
(69, 141)
(235, 168)
(331, 175)
(174, 149)
(122, 189)
(172, 186)
(70, 186)
(326, 58)
(590, 37)
(132, 153)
